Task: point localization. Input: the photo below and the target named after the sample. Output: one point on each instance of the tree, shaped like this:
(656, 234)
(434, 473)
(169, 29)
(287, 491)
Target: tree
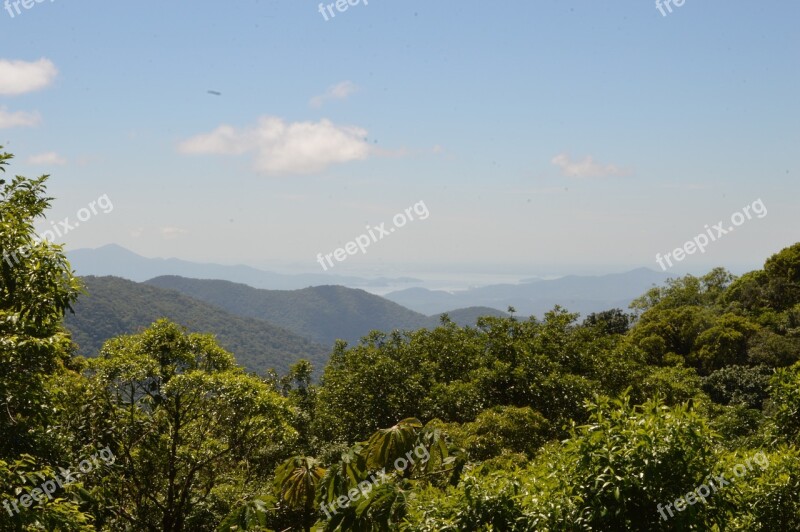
(302, 394)
(776, 286)
(609, 322)
(37, 287)
(670, 331)
(783, 277)
(188, 422)
(689, 290)
(723, 344)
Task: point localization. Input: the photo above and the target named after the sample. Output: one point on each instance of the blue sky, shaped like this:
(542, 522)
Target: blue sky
(543, 137)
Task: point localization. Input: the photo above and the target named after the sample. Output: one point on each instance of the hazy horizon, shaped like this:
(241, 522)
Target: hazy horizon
(456, 276)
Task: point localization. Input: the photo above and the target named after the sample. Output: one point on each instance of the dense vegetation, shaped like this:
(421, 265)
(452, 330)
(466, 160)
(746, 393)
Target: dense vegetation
(112, 306)
(680, 416)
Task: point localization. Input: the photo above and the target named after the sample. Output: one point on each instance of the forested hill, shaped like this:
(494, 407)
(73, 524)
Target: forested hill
(321, 313)
(115, 306)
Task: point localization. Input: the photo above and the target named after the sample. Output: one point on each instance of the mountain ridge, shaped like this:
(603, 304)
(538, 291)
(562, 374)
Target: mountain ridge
(115, 306)
(322, 313)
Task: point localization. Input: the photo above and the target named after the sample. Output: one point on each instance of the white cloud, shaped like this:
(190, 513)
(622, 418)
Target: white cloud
(585, 168)
(171, 233)
(285, 148)
(19, 77)
(340, 91)
(18, 119)
(50, 158)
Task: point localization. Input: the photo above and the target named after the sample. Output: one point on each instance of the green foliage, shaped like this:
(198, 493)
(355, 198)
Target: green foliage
(785, 402)
(776, 287)
(185, 420)
(502, 430)
(672, 384)
(20, 477)
(368, 488)
(775, 349)
(483, 500)
(769, 499)
(609, 322)
(783, 278)
(747, 292)
(386, 444)
(738, 385)
(36, 289)
(662, 331)
(452, 373)
(739, 426)
(296, 482)
(251, 515)
(610, 475)
(625, 462)
(688, 291)
(723, 344)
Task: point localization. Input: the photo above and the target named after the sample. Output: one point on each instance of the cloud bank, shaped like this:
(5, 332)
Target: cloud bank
(279, 148)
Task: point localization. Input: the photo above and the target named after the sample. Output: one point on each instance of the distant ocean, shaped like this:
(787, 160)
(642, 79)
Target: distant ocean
(449, 282)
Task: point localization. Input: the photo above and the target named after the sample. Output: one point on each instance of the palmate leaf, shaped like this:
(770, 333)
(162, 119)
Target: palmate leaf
(433, 439)
(297, 479)
(386, 445)
(344, 475)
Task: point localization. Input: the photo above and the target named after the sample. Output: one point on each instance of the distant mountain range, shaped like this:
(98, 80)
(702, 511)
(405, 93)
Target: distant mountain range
(299, 324)
(584, 294)
(292, 309)
(115, 306)
(120, 262)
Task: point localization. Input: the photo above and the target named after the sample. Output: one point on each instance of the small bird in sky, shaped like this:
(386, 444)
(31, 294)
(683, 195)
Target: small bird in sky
(215, 93)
